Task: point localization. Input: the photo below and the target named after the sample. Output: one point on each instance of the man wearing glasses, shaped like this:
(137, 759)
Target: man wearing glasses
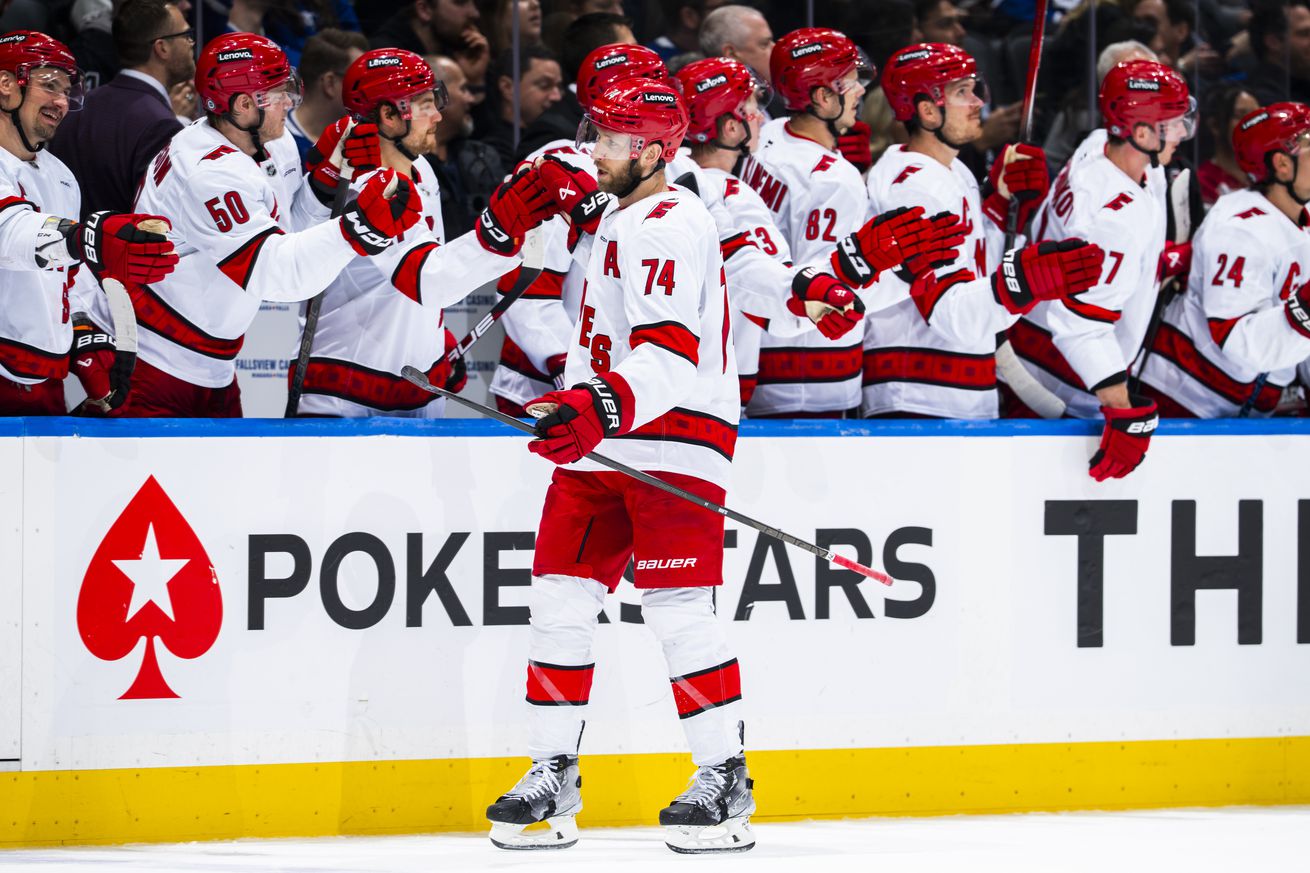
(110, 143)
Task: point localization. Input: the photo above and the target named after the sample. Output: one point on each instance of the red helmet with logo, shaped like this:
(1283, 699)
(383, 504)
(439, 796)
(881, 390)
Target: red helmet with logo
(813, 57)
(608, 64)
(1145, 92)
(645, 111)
(1278, 127)
(923, 71)
(388, 75)
(22, 51)
(239, 63)
(715, 87)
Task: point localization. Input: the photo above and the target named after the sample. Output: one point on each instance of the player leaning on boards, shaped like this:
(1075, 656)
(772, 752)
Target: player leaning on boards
(48, 305)
(1232, 343)
(653, 376)
(247, 227)
(384, 312)
(1114, 196)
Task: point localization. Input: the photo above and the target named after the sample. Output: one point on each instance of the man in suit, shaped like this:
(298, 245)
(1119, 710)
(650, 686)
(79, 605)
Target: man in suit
(124, 124)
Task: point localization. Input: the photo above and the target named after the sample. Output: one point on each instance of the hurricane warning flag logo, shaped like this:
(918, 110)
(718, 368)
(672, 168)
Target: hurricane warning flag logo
(151, 579)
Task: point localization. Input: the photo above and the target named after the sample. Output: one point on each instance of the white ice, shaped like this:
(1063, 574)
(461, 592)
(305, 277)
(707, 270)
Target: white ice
(1233, 840)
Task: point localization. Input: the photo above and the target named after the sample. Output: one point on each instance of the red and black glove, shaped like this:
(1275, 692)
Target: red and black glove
(518, 204)
(834, 308)
(860, 257)
(930, 244)
(855, 145)
(1175, 260)
(361, 149)
(459, 371)
(105, 373)
(386, 208)
(1124, 440)
(585, 414)
(1025, 180)
(1297, 310)
(575, 193)
(1046, 271)
(111, 244)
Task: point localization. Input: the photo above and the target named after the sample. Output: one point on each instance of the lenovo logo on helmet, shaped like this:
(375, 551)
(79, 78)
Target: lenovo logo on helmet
(1143, 85)
(611, 61)
(916, 55)
(1254, 120)
(374, 63)
(808, 49)
(711, 82)
(658, 97)
(235, 55)
(13, 37)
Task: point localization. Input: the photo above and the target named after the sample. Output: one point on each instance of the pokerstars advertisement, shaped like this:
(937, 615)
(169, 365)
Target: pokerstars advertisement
(192, 601)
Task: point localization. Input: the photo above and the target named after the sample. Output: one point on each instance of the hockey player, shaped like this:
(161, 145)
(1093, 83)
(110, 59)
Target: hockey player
(385, 312)
(1232, 342)
(247, 227)
(654, 383)
(1080, 349)
(46, 299)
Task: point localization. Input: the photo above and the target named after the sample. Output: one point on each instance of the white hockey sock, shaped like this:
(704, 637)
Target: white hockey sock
(565, 611)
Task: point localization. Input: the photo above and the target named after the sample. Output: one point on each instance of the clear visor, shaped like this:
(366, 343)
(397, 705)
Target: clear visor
(1297, 144)
(863, 74)
(58, 83)
(421, 107)
(286, 95)
(1182, 127)
(968, 92)
(607, 145)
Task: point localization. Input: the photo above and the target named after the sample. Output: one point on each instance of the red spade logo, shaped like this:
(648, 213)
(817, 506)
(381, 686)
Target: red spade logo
(149, 578)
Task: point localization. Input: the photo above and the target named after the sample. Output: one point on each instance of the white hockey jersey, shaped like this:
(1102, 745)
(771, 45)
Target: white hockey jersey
(1230, 325)
(654, 310)
(943, 365)
(1073, 347)
(37, 305)
(244, 233)
(816, 197)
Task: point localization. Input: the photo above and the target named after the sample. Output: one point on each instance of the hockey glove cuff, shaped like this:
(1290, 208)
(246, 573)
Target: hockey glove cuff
(581, 417)
(115, 244)
(575, 193)
(386, 208)
(1124, 440)
(1046, 271)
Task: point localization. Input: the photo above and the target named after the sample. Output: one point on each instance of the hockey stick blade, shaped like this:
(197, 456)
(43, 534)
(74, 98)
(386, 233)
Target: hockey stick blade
(123, 314)
(533, 259)
(418, 378)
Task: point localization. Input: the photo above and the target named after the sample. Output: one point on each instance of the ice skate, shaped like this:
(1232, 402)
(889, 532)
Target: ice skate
(549, 792)
(713, 814)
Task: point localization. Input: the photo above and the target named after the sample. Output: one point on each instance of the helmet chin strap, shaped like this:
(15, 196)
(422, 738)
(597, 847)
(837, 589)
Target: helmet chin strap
(637, 180)
(940, 132)
(18, 125)
(744, 147)
(397, 141)
(260, 154)
(1290, 185)
(830, 122)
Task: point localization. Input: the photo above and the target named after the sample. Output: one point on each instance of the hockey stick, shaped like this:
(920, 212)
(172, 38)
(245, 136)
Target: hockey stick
(1256, 387)
(534, 254)
(421, 381)
(1026, 117)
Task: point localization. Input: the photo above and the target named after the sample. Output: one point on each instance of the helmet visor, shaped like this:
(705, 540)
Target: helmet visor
(604, 144)
(57, 82)
(1180, 127)
(969, 92)
(287, 95)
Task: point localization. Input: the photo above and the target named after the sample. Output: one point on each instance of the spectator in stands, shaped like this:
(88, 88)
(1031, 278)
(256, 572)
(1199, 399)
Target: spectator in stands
(682, 24)
(1175, 41)
(125, 123)
(322, 68)
(1072, 123)
(586, 33)
(428, 27)
(1223, 108)
(940, 21)
(740, 33)
(93, 46)
(498, 21)
(291, 23)
(540, 87)
(1280, 41)
(467, 170)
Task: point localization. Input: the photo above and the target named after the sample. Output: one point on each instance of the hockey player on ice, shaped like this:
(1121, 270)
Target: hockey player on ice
(1232, 343)
(53, 315)
(654, 384)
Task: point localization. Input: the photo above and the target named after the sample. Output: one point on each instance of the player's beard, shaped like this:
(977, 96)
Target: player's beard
(421, 143)
(617, 180)
(273, 127)
(42, 126)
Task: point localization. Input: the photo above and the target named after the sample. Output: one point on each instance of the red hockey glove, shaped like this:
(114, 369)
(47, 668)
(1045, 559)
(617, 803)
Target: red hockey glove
(386, 208)
(875, 247)
(575, 193)
(1124, 440)
(105, 373)
(459, 371)
(931, 244)
(855, 146)
(1175, 260)
(518, 204)
(927, 288)
(114, 244)
(834, 308)
(1046, 271)
(584, 415)
(1297, 310)
(1018, 174)
(357, 144)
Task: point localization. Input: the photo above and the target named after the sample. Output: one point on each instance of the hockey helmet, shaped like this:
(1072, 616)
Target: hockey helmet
(389, 75)
(923, 71)
(715, 87)
(243, 63)
(1147, 92)
(608, 64)
(815, 57)
(624, 119)
(1278, 127)
(25, 51)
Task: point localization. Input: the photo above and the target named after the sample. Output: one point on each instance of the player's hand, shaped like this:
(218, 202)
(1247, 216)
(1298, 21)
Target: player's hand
(855, 145)
(834, 308)
(571, 423)
(459, 371)
(1297, 310)
(1124, 440)
(105, 373)
(875, 247)
(1175, 260)
(518, 204)
(1018, 178)
(129, 247)
(343, 144)
(1046, 271)
(930, 244)
(927, 288)
(574, 192)
(386, 208)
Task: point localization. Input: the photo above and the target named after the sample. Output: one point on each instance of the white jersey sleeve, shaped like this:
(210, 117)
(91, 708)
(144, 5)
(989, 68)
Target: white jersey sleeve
(21, 230)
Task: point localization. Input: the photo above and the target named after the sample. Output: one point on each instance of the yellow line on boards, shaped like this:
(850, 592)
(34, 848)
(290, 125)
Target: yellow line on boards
(175, 804)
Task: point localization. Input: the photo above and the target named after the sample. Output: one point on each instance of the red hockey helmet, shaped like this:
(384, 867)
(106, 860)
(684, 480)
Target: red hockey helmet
(1147, 92)
(626, 118)
(389, 75)
(608, 64)
(923, 71)
(22, 51)
(715, 87)
(242, 63)
(815, 57)
(1278, 127)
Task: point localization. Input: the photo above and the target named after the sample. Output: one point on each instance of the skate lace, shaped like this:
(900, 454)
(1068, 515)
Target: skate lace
(541, 781)
(705, 788)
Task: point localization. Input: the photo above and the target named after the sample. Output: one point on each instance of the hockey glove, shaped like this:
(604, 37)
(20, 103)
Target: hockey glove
(105, 373)
(582, 416)
(1018, 175)
(518, 204)
(1175, 260)
(928, 288)
(1297, 310)
(1046, 271)
(1124, 440)
(834, 308)
(386, 208)
(459, 371)
(343, 141)
(875, 247)
(555, 368)
(855, 146)
(575, 193)
(111, 244)
(931, 244)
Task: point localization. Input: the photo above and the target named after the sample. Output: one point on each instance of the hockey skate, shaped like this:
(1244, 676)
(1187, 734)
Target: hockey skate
(549, 792)
(713, 814)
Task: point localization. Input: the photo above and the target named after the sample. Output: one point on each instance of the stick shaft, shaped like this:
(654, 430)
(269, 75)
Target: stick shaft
(1026, 116)
(311, 314)
(531, 269)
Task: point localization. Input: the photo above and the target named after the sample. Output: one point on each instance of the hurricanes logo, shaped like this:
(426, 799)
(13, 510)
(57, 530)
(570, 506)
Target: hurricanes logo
(374, 63)
(712, 82)
(805, 50)
(235, 55)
